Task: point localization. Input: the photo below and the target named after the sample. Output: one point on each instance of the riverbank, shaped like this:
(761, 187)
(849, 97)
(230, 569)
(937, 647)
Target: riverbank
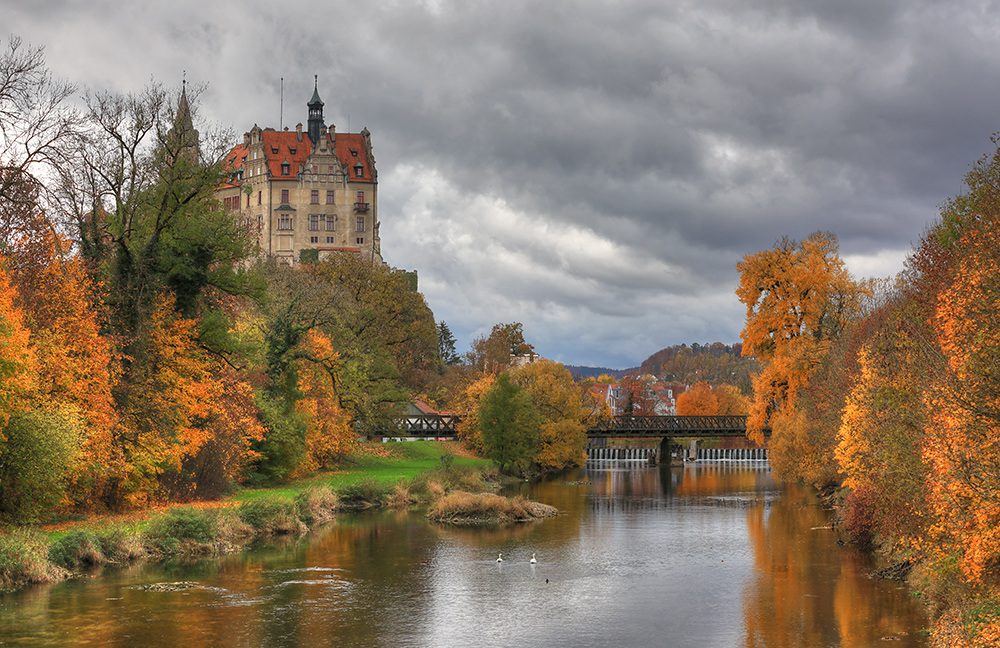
(400, 475)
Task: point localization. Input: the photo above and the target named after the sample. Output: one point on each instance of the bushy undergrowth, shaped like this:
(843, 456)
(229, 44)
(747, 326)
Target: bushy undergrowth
(76, 549)
(23, 561)
(271, 515)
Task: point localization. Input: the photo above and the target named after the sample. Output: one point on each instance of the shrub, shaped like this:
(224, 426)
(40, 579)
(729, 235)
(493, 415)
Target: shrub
(77, 548)
(316, 504)
(167, 531)
(363, 494)
(271, 514)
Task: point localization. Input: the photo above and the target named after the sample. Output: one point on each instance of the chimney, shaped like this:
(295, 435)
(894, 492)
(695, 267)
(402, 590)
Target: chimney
(298, 131)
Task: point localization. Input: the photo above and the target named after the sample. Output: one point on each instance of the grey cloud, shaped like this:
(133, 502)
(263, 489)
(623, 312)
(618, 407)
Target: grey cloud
(594, 170)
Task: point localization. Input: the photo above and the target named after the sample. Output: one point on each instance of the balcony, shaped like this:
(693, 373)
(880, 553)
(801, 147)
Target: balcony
(360, 206)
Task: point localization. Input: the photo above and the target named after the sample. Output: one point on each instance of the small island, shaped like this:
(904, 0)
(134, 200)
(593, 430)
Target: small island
(471, 509)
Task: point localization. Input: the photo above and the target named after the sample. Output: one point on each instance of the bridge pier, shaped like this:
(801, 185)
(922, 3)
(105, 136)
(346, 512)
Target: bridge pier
(692, 454)
(664, 452)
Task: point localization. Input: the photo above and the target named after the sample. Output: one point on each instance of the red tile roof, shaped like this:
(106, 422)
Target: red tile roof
(234, 161)
(284, 146)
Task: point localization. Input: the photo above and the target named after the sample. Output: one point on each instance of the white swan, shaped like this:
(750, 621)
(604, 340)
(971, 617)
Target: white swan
(532, 561)
(500, 558)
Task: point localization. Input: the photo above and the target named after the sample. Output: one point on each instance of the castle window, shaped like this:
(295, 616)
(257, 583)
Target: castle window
(314, 197)
(315, 169)
(284, 222)
(313, 239)
(284, 169)
(260, 197)
(314, 221)
(360, 241)
(284, 196)
(248, 200)
(329, 170)
(330, 220)
(360, 224)
(359, 171)
(329, 197)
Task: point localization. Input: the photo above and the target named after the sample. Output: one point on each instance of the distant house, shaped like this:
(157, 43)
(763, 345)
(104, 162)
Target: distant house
(517, 361)
(665, 403)
(614, 396)
(419, 408)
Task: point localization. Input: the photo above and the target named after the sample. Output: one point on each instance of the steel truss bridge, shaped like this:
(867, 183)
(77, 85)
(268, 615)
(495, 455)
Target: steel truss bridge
(442, 426)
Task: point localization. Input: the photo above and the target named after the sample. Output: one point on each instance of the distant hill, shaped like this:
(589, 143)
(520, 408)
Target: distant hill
(714, 363)
(593, 372)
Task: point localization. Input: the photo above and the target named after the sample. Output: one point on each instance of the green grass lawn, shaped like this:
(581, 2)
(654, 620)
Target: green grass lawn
(407, 460)
(410, 458)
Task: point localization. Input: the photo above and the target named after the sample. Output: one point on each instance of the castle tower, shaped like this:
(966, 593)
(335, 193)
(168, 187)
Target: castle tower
(183, 138)
(316, 124)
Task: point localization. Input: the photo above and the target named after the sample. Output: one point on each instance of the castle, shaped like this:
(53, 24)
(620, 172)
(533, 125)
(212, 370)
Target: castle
(306, 193)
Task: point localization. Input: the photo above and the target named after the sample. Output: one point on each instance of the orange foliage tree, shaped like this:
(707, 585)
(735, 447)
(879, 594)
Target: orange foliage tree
(963, 439)
(17, 359)
(799, 299)
(882, 427)
(699, 399)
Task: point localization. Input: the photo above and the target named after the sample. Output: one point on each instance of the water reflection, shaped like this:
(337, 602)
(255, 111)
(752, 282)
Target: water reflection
(699, 556)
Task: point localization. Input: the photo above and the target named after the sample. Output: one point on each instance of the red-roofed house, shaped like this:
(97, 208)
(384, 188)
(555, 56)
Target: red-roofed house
(307, 193)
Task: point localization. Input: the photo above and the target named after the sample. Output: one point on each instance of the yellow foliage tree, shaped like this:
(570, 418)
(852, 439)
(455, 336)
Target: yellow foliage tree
(557, 398)
(468, 405)
(731, 401)
(329, 435)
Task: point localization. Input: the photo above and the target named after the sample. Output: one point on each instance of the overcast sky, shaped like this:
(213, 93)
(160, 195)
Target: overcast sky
(593, 170)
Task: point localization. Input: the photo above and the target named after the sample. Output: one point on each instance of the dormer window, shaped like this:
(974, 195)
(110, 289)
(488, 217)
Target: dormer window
(359, 171)
(285, 167)
(354, 152)
(291, 150)
(274, 150)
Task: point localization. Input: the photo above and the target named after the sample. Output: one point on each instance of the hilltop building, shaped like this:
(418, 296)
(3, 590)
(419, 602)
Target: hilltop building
(306, 193)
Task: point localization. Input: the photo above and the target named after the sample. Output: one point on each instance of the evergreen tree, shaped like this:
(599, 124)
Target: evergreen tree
(446, 345)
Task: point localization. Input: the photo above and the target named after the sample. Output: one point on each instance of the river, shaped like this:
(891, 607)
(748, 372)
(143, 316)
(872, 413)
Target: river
(706, 556)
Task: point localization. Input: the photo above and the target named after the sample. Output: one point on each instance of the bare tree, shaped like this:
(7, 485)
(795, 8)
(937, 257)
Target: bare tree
(39, 130)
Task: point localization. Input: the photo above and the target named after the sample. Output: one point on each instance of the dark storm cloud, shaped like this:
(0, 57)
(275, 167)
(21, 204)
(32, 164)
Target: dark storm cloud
(592, 169)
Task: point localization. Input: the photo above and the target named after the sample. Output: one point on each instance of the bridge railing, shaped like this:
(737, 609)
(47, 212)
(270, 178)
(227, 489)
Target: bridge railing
(444, 425)
(422, 425)
(627, 423)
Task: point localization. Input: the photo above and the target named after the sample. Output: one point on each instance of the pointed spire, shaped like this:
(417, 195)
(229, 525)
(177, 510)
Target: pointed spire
(183, 122)
(315, 98)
